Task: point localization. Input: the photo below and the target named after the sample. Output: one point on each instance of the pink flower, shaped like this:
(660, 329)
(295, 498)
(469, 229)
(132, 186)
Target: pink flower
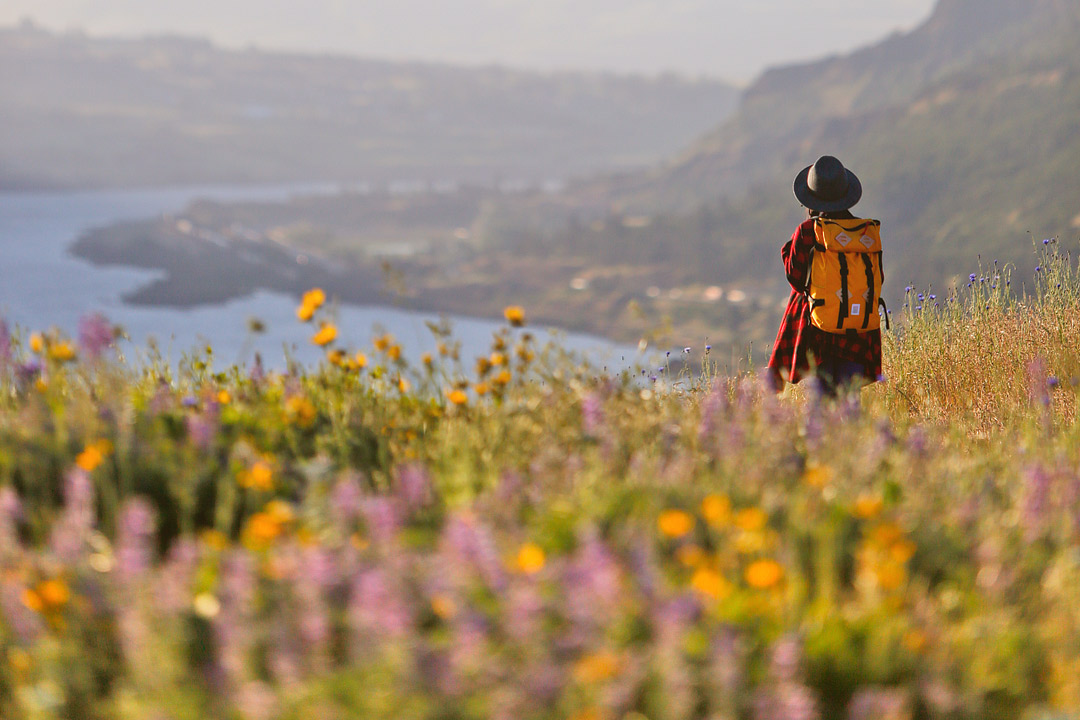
(95, 334)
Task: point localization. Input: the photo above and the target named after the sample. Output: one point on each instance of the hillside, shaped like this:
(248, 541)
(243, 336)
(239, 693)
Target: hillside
(79, 111)
(964, 132)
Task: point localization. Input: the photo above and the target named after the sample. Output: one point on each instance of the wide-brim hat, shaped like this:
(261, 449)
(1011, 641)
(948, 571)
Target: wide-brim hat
(827, 186)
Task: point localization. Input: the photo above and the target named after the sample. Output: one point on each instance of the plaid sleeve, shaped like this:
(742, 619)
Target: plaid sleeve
(796, 254)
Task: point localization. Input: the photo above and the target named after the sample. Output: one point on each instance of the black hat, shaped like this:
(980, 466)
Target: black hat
(827, 186)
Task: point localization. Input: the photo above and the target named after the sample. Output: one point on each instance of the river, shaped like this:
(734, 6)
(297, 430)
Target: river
(43, 286)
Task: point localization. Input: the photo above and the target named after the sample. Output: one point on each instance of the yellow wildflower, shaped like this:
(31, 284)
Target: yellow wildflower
(403, 385)
(62, 352)
(901, 551)
(716, 509)
(596, 667)
(443, 606)
(215, 539)
(890, 575)
(32, 600)
(483, 366)
(750, 519)
(315, 297)
(326, 335)
(750, 542)
(817, 476)
(280, 511)
(206, 606)
(886, 534)
(299, 409)
(360, 361)
(457, 397)
(868, 506)
(259, 476)
(336, 357)
(53, 593)
(223, 397)
(710, 583)
(497, 359)
(481, 389)
(20, 660)
(764, 574)
(383, 342)
(37, 343)
(502, 379)
(587, 714)
(305, 312)
(261, 530)
(675, 523)
(90, 458)
(530, 559)
(427, 359)
(690, 555)
(515, 315)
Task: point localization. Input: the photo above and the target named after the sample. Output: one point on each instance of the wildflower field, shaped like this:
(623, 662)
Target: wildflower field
(522, 536)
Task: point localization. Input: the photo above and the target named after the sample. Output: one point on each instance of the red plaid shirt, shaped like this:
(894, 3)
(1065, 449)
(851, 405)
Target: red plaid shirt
(798, 341)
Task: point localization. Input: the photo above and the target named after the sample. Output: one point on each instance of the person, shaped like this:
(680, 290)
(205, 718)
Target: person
(827, 190)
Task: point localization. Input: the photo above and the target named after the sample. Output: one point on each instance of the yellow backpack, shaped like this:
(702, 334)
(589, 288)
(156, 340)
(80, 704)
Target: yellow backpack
(845, 280)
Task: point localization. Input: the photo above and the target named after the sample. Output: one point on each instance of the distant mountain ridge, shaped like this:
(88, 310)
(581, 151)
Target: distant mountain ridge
(78, 111)
(965, 132)
(780, 114)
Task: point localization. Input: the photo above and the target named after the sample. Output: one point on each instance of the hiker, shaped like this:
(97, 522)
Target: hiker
(833, 263)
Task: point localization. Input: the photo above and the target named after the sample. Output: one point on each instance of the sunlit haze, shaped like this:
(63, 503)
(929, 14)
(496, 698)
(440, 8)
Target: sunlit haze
(733, 40)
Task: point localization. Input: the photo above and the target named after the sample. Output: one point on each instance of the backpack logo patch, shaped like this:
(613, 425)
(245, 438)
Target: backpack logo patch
(867, 241)
(843, 239)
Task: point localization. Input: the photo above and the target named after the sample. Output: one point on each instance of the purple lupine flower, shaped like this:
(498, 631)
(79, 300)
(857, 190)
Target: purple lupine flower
(382, 516)
(257, 373)
(232, 631)
(785, 701)
(376, 608)
(10, 515)
(134, 537)
(524, 610)
(414, 486)
(22, 621)
(1036, 501)
(726, 662)
(786, 658)
(592, 414)
(711, 408)
(95, 334)
(345, 500)
(202, 427)
(879, 704)
(172, 591)
(27, 372)
(68, 537)
(470, 544)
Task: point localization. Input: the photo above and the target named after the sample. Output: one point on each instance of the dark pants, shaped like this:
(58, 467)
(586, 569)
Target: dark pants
(835, 376)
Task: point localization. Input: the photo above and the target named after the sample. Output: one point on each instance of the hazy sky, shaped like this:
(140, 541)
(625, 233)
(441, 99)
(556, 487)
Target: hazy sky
(734, 39)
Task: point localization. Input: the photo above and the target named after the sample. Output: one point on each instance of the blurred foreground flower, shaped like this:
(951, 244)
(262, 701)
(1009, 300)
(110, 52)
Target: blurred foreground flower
(515, 315)
(675, 523)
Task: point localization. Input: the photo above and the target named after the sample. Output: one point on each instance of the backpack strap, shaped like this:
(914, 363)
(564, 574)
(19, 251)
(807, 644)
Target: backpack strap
(883, 306)
(843, 314)
(868, 265)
